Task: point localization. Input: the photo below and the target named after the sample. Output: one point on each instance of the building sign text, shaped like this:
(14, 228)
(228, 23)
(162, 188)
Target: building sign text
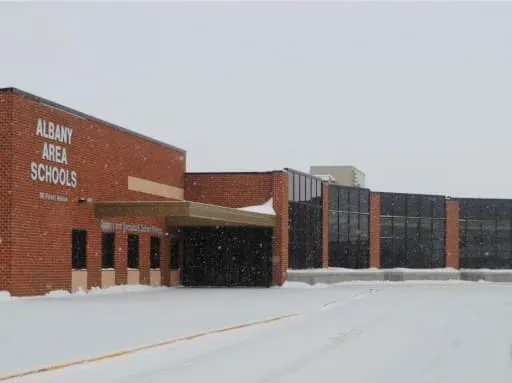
(54, 152)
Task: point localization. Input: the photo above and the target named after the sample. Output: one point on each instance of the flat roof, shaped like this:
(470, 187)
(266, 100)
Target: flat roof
(184, 213)
(75, 112)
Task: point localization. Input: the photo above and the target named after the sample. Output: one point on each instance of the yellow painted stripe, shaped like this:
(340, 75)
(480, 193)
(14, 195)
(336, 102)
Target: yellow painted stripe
(142, 348)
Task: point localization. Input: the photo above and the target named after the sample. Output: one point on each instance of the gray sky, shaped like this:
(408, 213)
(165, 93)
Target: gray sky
(418, 96)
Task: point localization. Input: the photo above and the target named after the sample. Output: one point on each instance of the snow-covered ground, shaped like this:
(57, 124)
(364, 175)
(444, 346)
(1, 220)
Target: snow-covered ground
(356, 332)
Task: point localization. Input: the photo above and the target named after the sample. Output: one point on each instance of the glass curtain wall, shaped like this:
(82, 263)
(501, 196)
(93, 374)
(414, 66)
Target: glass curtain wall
(349, 227)
(485, 233)
(304, 220)
(412, 231)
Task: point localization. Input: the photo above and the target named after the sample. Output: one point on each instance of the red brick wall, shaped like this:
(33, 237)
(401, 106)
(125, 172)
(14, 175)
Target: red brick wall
(247, 189)
(229, 189)
(452, 234)
(5, 187)
(374, 230)
(103, 158)
(325, 226)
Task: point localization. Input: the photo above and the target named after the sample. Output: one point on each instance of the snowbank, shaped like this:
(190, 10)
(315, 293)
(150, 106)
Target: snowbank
(5, 296)
(266, 208)
(121, 289)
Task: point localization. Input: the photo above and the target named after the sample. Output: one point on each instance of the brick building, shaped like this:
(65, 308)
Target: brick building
(85, 203)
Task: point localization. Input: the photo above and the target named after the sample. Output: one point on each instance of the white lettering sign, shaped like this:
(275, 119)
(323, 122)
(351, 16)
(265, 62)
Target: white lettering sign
(53, 152)
(107, 226)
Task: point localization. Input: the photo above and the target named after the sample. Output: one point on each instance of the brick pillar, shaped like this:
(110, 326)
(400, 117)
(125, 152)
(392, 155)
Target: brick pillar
(165, 271)
(374, 230)
(94, 255)
(280, 237)
(452, 234)
(5, 190)
(121, 258)
(144, 249)
(325, 226)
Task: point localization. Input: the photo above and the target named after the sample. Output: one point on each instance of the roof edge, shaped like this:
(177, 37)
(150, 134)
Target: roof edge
(77, 113)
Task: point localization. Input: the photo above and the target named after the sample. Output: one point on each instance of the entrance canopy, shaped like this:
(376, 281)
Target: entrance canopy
(184, 213)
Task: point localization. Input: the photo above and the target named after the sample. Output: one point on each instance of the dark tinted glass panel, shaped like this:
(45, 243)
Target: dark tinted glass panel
(503, 210)
(386, 227)
(364, 201)
(386, 204)
(354, 199)
(107, 250)
(473, 209)
(473, 233)
(333, 197)
(133, 251)
(333, 226)
(426, 206)
(425, 231)
(503, 229)
(343, 227)
(399, 203)
(79, 249)
(438, 230)
(354, 227)
(413, 229)
(488, 209)
(364, 225)
(413, 205)
(319, 188)
(344, 192)
(438, 207)
(438, 259)
(386, 253)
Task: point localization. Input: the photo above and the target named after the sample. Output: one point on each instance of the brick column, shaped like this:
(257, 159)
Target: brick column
(452, 234)
(121, 258)
(374, 230)
(94, 255)
(280, 237)
(144, 249)
(325, 226)
(165, 271)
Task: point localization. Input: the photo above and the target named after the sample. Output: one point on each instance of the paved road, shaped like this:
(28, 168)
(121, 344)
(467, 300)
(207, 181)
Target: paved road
(381, 333)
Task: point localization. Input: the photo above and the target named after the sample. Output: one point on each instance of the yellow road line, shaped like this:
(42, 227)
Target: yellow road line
(142, 348)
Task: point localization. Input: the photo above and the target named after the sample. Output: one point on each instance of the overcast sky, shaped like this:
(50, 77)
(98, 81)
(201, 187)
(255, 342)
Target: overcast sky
(418, 96)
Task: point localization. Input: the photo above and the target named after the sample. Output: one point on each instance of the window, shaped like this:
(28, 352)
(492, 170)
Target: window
(333, 198)
(154, 257)
(290, 187)
(79, 249)
(386, 204)
(399, 205)
(413, 205)
(364, 201)
(296, 187)
(354, 200)
(343, 191)
(174, 249)
(107, 250)
(302, 195)
(133, 251)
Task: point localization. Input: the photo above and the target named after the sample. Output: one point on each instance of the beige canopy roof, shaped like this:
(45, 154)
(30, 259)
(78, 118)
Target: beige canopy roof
(184, 213)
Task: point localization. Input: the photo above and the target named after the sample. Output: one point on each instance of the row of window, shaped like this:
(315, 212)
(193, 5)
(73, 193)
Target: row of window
(305, 236)
(412, 205)
(475, 208)
(412, 242)
(349, 199)
(304, 188)
(485, 244)
(348, 240)
(108, 246)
